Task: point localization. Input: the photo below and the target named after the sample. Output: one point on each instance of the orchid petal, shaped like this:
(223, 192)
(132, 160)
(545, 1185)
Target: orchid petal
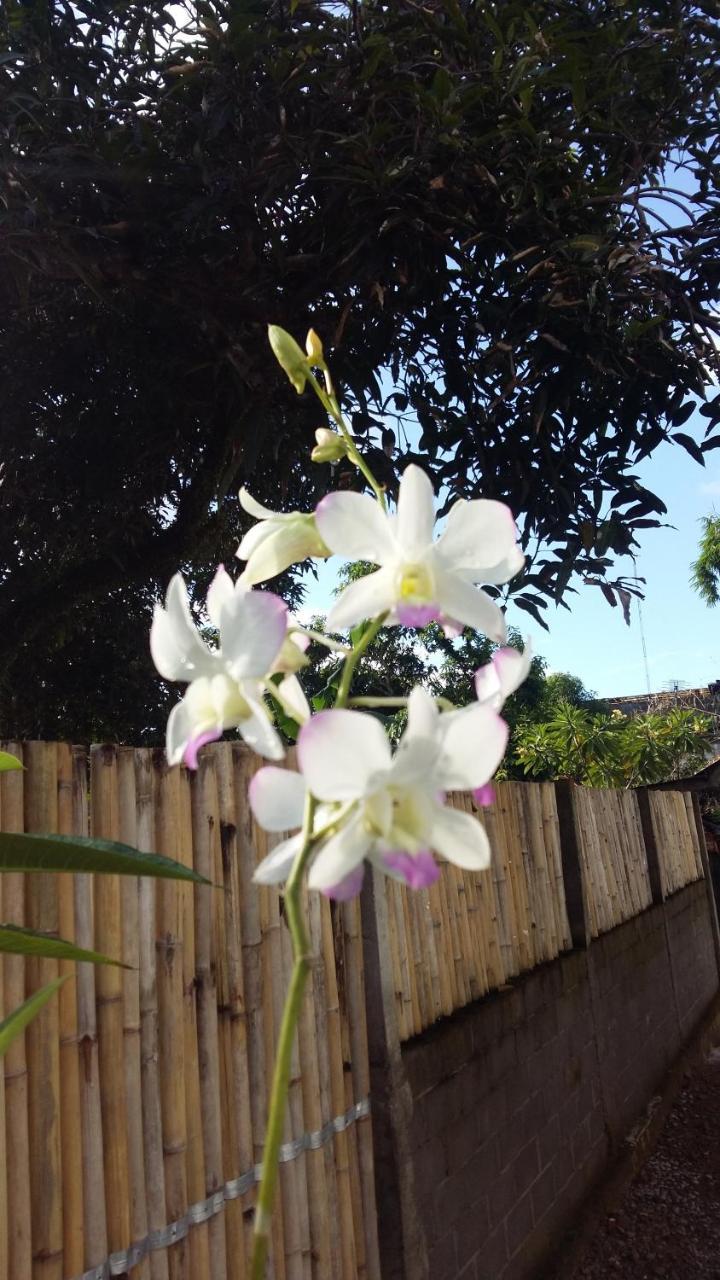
(349, 887)
(289, 693)
(190, 754)
(220, 592)
(460, 838)
(339, 856)
(353, 525)
(252, 629)
(255, 508)
(277, 798)
(468, 604)
(276, 547)
(339, 753)
(276, 867)
(259, 732)
(177, 650)
(366, 598)
(478, 533)
(415, 512)
(179, 732)
(512, 668)
(474, 741)
(487, 686)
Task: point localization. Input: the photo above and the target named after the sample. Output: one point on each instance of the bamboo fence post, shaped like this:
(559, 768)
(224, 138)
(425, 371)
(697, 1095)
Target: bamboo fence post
(297, 1218)
(341, 968)
(205, 845)
(71, 1133)
(149, 1012)
(198, 1240)
(91, 1128)
(321, 1033)
(572, 865)
(130, 901)
(109, 989)
(17, 1137)
(42, 1035)
(337, 1097)
(246, 1080)
(318, 1197)
(355, 995)
(170, 1006)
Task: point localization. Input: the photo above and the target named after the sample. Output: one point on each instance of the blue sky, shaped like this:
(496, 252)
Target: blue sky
(592, 641)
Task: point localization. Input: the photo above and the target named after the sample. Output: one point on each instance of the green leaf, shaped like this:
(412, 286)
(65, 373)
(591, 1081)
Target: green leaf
(18, 941)
(23, 852)
(17, 1021)
(8, 762)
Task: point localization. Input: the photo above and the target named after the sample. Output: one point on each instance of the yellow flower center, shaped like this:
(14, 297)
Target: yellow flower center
(416, 584)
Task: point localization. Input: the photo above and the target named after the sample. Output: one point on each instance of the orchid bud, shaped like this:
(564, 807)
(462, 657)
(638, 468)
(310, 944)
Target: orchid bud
(314, 348)
(289, 356)
(330, 446)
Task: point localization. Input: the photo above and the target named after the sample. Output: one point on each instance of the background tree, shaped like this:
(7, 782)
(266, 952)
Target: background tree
(467, 198)
(706, 569)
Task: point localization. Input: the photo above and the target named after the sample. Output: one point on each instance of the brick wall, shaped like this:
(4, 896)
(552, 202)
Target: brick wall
(520, 1099)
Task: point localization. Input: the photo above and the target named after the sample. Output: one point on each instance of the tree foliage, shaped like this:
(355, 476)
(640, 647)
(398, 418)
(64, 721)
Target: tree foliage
(614, 750)
(465, 195)
(706, 569)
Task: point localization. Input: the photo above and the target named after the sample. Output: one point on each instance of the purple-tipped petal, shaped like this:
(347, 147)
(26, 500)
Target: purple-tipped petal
(418, 870)
(484, 796)
(417, 615)
(348, 888)
(190, 754)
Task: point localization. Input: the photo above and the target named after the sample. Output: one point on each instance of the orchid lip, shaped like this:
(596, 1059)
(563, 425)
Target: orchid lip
(190, 754)
(418, 870)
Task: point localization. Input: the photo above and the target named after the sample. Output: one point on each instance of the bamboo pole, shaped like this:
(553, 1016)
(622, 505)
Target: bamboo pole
(295, 1189)
(316, 906)
(314, 1119)
(245, 1053)
(337, 1097)
(109, 989)
(91, 1128)
(149, 1013)
(360, 1065)
(71, 1146)
(17, 1139)
(170, 1006)
(42, 1036)
(206, 834)
(130, 916)
(198, 1240)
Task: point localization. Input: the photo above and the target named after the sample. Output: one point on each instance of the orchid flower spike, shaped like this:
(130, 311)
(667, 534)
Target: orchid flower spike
(419, 579)
(277, 541)
(373, 805)
(226, 685)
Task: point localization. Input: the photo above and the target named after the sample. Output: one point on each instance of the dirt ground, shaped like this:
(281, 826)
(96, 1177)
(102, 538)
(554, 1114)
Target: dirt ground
(667, 1225)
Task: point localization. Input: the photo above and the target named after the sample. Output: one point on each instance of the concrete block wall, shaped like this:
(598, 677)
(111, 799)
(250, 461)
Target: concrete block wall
(520, 1099)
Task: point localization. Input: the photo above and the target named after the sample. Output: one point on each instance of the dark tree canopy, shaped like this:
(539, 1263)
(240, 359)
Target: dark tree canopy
(467, 195)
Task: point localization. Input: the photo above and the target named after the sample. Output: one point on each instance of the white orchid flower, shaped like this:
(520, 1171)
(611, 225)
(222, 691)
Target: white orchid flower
(493, 685)
(226, 685)
(277, 541)
(388, 809)
(502, 675)
(420, 579)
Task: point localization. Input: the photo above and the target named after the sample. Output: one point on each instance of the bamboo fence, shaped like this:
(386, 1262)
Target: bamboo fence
(132, 1119)
(472, 931)
(141, 1093)
(676, 836)
(614, 860)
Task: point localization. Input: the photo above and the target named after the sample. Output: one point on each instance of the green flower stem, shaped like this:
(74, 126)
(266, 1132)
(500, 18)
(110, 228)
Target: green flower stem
(377, 702)
(352, 660)
(296, 990)
(281, 1073)
(331, 406)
